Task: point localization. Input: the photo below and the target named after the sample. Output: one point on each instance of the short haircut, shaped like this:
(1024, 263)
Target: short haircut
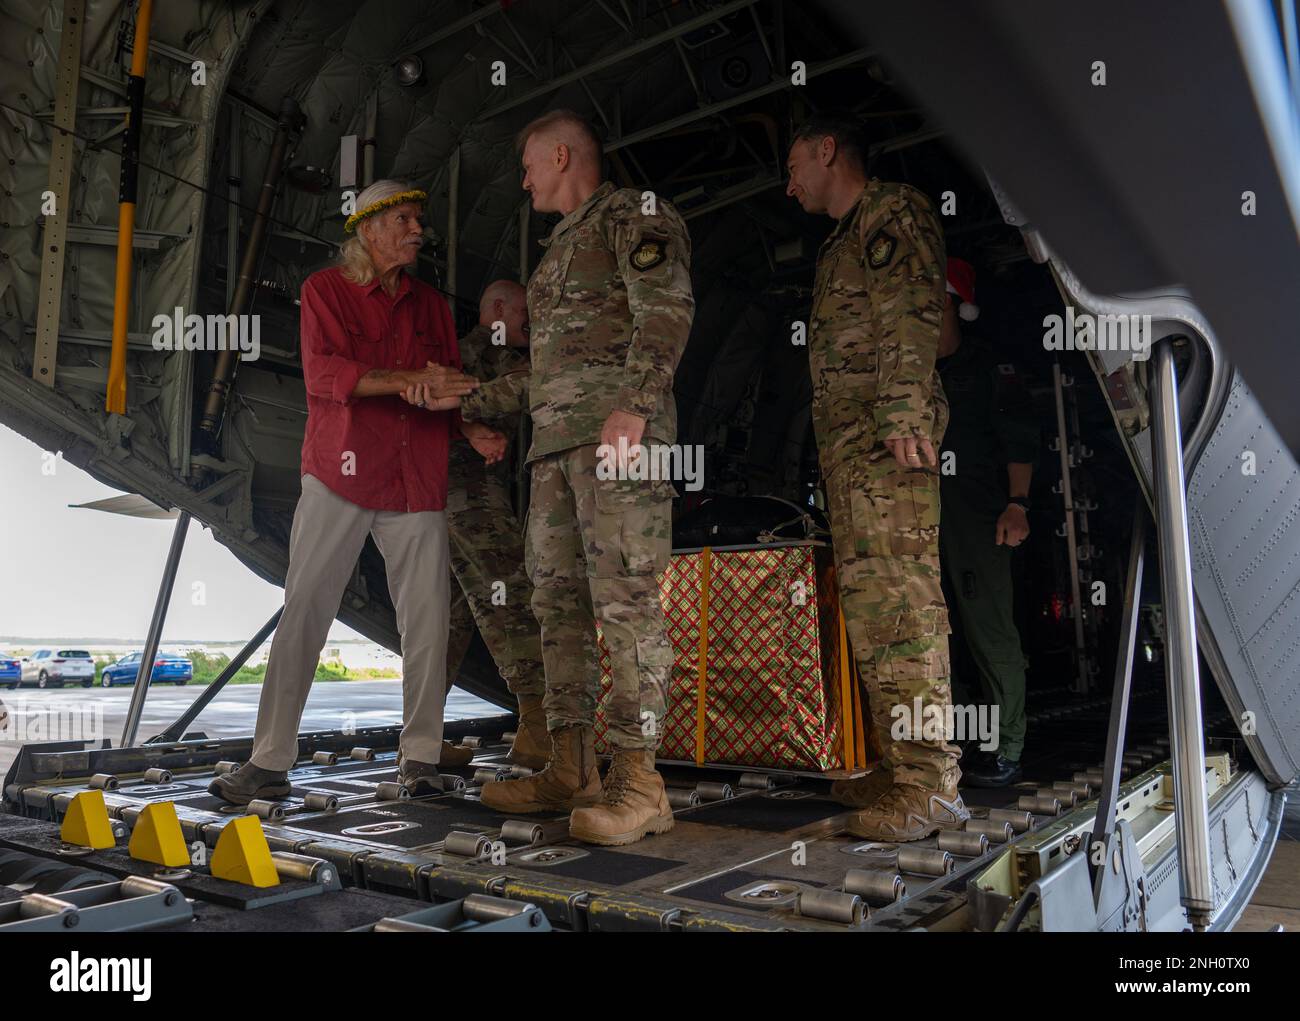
(560, 119)
(509, 291)
(847, 132)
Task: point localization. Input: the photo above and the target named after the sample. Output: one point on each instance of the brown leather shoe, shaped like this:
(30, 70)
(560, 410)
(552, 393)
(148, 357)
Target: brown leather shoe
(451, 755)
(532, 745)
(633, 803)
(570, 780)
(455, 755)
(906, 812)
(863, 791)
(249, 782)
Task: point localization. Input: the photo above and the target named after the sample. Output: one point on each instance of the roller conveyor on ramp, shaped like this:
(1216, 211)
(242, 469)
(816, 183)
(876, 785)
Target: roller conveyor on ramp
(751, 850)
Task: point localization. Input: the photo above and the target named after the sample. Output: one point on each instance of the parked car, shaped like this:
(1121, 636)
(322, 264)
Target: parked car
(11, 670)
(167, 668)
(56, 667)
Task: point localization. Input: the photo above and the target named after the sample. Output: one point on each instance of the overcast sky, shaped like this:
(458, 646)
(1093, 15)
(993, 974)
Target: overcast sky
(69, 573)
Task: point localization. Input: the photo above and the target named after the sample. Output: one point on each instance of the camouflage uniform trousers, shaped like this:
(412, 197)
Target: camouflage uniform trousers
(885, 528)
(487, 548)
(595, 548)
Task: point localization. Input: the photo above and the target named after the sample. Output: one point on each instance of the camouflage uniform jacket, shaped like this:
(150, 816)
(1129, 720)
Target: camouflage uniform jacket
(877, 307)
(610, 309)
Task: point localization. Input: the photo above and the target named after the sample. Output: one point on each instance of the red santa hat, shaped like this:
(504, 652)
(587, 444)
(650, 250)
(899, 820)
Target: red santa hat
(961, 282)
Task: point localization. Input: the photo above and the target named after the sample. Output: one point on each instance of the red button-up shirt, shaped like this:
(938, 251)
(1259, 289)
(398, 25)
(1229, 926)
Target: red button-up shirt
(377, 452)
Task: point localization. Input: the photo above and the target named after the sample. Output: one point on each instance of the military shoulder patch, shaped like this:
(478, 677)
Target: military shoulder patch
(880, 248)
(649, 253)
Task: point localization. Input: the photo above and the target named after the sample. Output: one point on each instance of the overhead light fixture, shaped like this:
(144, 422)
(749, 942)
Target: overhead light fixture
(410, 70)
(737, 71)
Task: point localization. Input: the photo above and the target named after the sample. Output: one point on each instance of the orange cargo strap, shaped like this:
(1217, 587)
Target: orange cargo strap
(701, 681)
(859, 732)
(846, 696)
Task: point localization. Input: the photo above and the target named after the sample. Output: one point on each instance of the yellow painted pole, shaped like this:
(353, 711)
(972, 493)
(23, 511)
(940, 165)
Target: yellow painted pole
(702, 670)
(115, 398)
(846, 697)
(859, 731)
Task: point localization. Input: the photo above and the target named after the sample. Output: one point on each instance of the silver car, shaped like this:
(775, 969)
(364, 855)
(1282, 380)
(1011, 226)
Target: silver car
(56, 667)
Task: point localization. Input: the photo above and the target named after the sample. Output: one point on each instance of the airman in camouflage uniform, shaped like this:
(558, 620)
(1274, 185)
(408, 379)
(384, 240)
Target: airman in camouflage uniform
(878, 408)
(487, 545)
(610, 307)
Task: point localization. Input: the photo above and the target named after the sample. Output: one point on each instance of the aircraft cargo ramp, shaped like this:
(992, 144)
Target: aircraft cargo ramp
(749, 850)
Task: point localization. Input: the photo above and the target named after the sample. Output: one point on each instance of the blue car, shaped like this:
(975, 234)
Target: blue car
(11, 670)
(167, 668)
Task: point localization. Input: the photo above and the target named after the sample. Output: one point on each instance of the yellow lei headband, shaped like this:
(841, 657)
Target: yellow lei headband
(414, 195)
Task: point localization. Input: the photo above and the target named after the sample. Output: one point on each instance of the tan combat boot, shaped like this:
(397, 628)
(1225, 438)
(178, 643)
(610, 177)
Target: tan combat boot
(570, 780)
(907, 812)
(633, 805)
(862, 791)
(531, 747)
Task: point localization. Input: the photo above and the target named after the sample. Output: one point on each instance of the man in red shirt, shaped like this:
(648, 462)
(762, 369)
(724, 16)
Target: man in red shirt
(372, 465)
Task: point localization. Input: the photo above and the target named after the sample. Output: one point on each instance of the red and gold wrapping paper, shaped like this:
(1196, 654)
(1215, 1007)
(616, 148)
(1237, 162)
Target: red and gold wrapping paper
(776, 675)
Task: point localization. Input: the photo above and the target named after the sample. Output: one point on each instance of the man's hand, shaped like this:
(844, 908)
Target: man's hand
(421, 395)
(440, 387)
(437, 387)
(622, 432)
(907, 451)
(486, 440)
(444, 380)
(1013, 526)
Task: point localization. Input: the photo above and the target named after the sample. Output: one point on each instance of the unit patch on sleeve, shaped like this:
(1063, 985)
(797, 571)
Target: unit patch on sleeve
(649, 253)
(880, 248)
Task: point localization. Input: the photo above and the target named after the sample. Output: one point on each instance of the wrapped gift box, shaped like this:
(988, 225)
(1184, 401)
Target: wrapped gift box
(779, 690)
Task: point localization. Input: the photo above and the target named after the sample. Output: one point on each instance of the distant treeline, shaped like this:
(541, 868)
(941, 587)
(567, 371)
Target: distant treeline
(207, 668)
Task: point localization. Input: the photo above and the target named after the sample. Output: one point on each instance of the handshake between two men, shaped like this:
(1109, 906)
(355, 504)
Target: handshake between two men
(440, 388)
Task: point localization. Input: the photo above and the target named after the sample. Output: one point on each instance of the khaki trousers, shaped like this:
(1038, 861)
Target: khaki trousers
(327, 537)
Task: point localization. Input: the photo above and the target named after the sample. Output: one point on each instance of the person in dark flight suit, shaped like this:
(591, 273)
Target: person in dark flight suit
(994, 439)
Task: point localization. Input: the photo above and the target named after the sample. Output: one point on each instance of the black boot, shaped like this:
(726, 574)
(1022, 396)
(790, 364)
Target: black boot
(249, 782)
(995, 771)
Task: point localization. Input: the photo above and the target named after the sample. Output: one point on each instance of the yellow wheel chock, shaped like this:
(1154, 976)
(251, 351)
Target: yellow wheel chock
(242, 854)
(86, 822)
(157, 837)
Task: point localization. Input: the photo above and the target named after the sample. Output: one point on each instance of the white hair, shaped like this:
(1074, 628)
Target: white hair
(354, 256)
